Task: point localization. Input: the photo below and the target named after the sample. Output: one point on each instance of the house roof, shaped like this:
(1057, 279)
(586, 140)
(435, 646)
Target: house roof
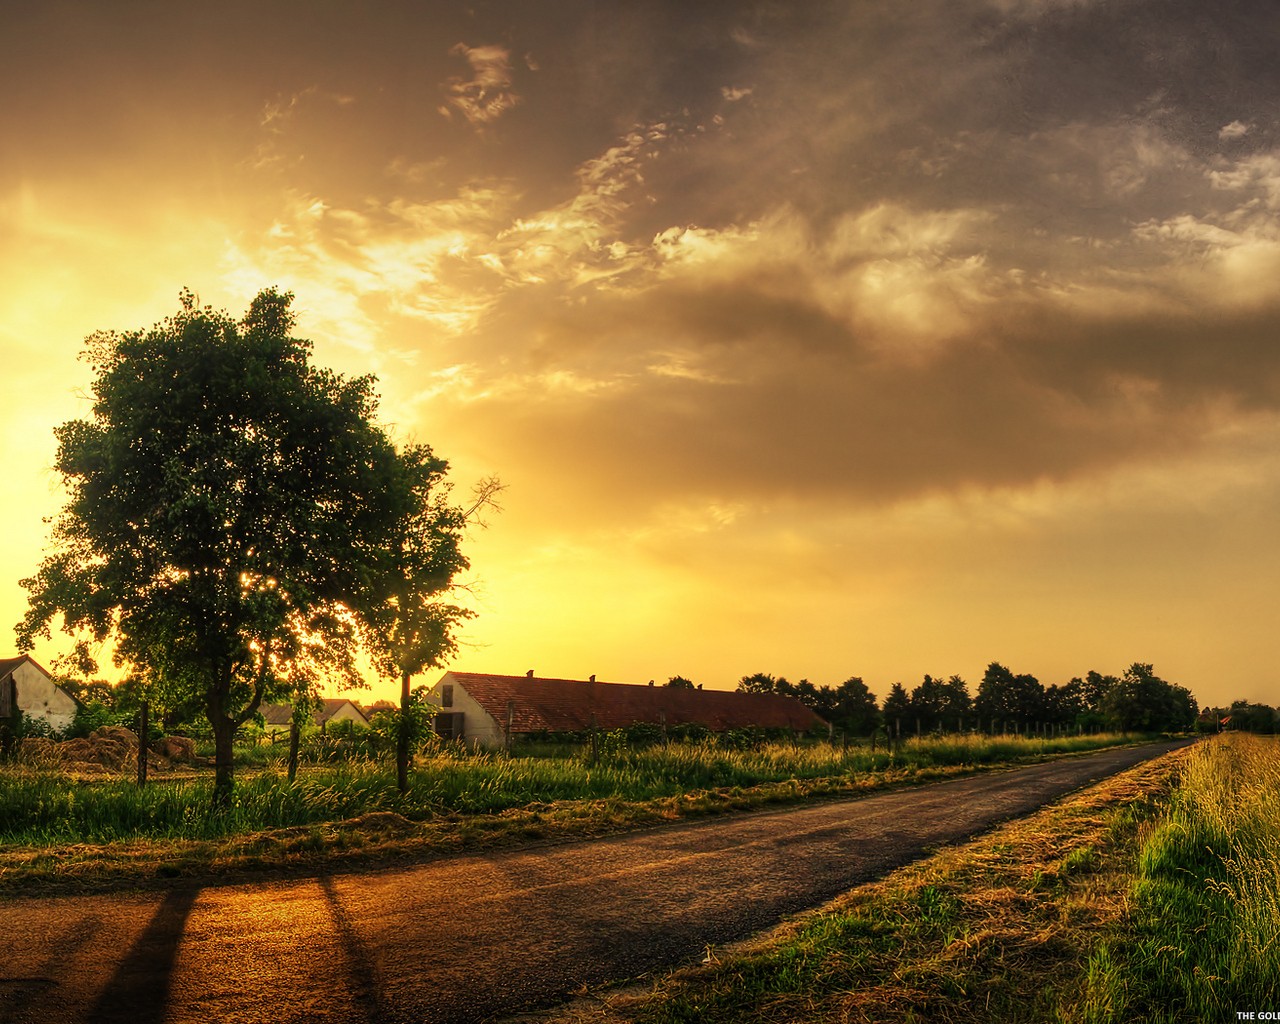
(7, 665)
(330, 706)
(278, 715)
(571, 705)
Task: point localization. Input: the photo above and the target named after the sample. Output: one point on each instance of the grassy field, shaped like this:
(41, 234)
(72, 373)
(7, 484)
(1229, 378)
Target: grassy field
(55, 826)
(1152, 897)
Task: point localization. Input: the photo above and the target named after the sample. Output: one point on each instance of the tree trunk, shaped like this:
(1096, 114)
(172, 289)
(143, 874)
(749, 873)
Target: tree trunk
(224, 731)
(402, 740)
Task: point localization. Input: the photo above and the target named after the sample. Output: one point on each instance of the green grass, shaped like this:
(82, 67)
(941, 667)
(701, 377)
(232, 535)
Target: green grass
(43, 807)
(1204, 939)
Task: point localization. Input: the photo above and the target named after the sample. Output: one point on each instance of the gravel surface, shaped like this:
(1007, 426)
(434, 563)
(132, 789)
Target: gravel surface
(471, 938)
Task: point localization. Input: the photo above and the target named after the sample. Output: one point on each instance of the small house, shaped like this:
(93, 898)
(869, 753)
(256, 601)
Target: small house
(332, 709)
(484, 709)
(26, 686)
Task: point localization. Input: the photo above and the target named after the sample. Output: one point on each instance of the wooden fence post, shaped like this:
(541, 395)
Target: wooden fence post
(295, 735)
(144, 727)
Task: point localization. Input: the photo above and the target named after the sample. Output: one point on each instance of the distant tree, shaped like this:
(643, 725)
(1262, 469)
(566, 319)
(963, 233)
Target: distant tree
(1063, 705)
(936, 704)
(805, 692)
(1249, 717)
(763, 683)
(851, 706)
(897, 707)
(1004, 697)
(927, 702)
(1143, 702)
(680, 683)
(959, 704)
(230, 508)
(1094, 689)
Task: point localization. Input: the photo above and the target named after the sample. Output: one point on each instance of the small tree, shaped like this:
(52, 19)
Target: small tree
(408, 625)
(228, 504)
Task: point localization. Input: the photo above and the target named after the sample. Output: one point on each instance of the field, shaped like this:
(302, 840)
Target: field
(55, 827)
(1153, 897)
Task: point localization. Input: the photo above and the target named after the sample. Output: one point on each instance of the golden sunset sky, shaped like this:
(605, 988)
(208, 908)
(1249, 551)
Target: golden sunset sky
(817, 339)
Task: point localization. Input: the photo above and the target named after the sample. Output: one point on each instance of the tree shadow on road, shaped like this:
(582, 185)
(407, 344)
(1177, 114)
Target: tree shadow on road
(138, 992)
(362, 972)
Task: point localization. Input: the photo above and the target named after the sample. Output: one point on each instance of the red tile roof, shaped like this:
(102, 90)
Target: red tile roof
(572, 705)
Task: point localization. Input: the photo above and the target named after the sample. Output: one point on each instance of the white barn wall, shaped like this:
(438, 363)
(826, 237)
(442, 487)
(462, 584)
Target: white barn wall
(477, 724)
(40, 697)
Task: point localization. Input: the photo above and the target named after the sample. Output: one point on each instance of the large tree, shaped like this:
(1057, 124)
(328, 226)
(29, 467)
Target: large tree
(230, 509)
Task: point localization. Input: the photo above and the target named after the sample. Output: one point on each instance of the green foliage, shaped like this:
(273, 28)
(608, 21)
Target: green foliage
(90, 716)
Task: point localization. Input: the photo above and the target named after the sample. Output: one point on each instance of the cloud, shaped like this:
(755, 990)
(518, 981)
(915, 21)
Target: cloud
(847, 290)
(1234, 130)
(488, 93)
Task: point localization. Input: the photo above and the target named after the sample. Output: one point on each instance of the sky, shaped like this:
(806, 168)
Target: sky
(821, 339)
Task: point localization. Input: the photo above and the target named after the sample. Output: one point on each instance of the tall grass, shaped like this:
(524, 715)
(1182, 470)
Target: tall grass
(45, 808)
(1206, 901)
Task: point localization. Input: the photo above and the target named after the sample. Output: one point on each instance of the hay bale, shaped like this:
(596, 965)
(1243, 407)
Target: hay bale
(179, 749)
(78, 750)
(112, 753)
(39, 750)
(115, 733)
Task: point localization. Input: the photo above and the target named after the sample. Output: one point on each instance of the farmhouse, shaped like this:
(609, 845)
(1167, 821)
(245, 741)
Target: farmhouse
(332, 709)
(477, 707)
(29, 688)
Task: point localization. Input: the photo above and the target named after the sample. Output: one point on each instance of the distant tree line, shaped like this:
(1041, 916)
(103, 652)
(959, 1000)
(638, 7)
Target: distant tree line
(1136, 701)
(1242, 715)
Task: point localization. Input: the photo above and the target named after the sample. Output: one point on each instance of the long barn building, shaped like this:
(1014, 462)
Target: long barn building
(477, 707)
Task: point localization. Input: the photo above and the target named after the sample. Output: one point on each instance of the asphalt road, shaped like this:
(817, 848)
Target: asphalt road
(469, 938)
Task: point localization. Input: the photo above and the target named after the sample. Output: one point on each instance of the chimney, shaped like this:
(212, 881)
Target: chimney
(593, 677)
(650, 682)
(529, 674)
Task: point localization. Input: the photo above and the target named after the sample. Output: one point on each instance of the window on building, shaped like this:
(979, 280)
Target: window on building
(446, 695)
